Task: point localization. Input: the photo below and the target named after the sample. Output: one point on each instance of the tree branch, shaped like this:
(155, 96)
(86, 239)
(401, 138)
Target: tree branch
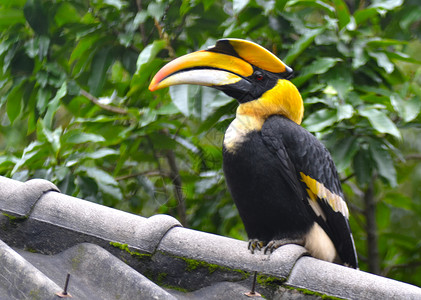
(95, 101)
(414, 156)
(347, 178)
(177, 185)
(371, 229)
(146, 173)
(413, 264)
(141, 25)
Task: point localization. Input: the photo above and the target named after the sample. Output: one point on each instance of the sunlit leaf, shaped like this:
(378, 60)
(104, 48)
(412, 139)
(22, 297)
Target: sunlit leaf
(183, 96)
(380, 121)
(386, 4)
(320, 120)
(101, 153)
(383, 61)
(78, 137)
(116, 3)
(408, 109)
(238, 5)
(340, 78)
(53, 105)
(149, 53)
(345, 111)
(105, 181)
(156, 9)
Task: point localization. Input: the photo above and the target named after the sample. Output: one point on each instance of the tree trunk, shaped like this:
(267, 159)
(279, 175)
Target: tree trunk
(371, 229)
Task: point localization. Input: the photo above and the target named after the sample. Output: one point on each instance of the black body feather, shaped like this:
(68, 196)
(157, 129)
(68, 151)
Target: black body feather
(263, 175)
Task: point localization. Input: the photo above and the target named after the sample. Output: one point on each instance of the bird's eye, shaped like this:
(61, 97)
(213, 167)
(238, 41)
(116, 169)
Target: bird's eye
(258, 75)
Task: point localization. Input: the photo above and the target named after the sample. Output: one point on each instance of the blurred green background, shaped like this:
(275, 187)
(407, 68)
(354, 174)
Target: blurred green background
(75, 108)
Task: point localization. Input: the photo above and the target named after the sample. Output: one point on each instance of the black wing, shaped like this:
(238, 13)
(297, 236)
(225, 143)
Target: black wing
(319, 180)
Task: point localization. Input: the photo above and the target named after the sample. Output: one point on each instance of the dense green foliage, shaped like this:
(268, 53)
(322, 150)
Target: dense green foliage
(75, 108)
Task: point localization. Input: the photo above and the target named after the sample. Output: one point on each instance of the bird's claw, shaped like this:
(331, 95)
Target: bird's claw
(255, 244)
(275, 244)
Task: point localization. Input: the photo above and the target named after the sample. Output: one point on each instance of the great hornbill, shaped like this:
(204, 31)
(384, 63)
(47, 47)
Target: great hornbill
(282, 179)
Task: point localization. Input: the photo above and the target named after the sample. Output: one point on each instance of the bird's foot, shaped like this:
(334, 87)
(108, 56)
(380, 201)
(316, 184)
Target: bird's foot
(275, 244)
(255, 244)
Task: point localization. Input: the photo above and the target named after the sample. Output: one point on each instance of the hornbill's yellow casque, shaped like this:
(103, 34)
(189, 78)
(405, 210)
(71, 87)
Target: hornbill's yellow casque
(282, 179)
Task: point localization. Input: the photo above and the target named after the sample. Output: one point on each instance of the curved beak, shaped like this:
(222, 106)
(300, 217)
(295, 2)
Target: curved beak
(227, 66)
(203, 67)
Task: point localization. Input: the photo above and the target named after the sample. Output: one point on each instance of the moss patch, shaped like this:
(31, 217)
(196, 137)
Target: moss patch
(13, 218)
(269, 281)
(174, 287)
(309, 292)
(77, 260)
(161, 278)
(126, 248)
(193, 264)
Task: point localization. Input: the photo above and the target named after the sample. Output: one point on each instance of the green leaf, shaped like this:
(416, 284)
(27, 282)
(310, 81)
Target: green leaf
(302, 44)
(149, 53)
(318, 4)
(363, 167)
(101, 153)
(14, 102)
(10, 16)
(83, 53)
(382, 61)
(321, 119)
(340, 78)
(383, 161)
(408, 109)
(399, 200)
(345, 111)
(365, 14)
(44, 43)
(100, 65)
(116, 3)
(84, 45)
(52, 137)
(413, 16)
(185, 7)
(30, 151)
(380, 121)
(342, 13)
(382, 216)
(402, 56)
(378, 42)
(386, 4)
(36, 15)
(66, 14)
(359, 55)
(319, 66)
(156, 10)
(106, 183)
(238, 5)
(53, 106)
(78, 137)
(344, 151)
(183, 97)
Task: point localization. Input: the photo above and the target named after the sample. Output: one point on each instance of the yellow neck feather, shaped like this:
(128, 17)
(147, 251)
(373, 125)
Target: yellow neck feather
(283, 99)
